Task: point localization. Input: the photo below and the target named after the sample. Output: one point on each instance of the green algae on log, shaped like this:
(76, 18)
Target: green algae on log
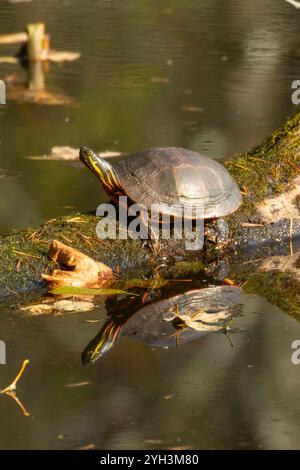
(263, 172)
(24, 253)
(267, 169)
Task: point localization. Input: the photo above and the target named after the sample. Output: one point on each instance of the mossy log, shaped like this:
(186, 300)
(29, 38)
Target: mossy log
(265, 171)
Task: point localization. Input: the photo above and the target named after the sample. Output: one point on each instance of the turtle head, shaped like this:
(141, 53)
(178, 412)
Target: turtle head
(101, 168)
(102, 343)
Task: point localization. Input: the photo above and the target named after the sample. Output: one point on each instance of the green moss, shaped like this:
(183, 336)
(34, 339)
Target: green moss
(183, 269)
(24, 253)
(267, 169)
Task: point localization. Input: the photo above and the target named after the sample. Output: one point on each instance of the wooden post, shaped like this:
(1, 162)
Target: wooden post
(38, 42)
(36, 76)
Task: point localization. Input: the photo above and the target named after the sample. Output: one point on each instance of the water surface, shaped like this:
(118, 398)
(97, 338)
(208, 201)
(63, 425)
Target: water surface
(211, 76)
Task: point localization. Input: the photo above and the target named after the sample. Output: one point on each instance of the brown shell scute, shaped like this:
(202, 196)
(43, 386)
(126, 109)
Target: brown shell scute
(180, 177)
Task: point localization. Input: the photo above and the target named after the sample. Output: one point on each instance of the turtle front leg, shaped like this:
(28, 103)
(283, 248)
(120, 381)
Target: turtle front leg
(216, 231)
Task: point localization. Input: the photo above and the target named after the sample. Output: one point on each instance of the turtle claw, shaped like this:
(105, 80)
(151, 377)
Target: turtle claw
(216, 232)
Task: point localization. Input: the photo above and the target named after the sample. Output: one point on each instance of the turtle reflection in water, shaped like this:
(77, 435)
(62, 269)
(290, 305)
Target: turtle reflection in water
(165, 323)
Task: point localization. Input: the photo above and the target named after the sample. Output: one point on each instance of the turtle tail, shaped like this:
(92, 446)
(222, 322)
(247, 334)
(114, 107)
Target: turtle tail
(102, 169)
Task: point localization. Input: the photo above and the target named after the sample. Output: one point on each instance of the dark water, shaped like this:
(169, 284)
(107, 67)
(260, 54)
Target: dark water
(212, 76)
(206, 393)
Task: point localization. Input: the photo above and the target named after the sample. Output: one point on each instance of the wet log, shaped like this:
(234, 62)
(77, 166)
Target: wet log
(268, 171)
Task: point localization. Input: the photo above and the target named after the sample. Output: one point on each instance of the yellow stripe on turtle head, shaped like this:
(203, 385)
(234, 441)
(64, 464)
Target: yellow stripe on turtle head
(101, 168)
(103, 342)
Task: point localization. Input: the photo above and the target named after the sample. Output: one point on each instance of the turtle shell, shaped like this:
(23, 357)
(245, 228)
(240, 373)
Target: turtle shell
(215, 306)
(180, 179)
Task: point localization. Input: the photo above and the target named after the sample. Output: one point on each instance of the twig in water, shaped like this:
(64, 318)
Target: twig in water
(10, 390)
(12, 387)
(19, 403)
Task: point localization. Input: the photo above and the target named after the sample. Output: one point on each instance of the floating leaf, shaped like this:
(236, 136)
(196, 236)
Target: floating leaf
(78, 384)
(192, 109)
(87, 447)
(8, 60)
(59, 307)
(13, 38)
(62, 56)
(160, 80)
(201, 319)
(66, 153)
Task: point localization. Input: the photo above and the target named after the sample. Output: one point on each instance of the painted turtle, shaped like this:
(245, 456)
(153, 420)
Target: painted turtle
(175, 178)
(160, 324)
